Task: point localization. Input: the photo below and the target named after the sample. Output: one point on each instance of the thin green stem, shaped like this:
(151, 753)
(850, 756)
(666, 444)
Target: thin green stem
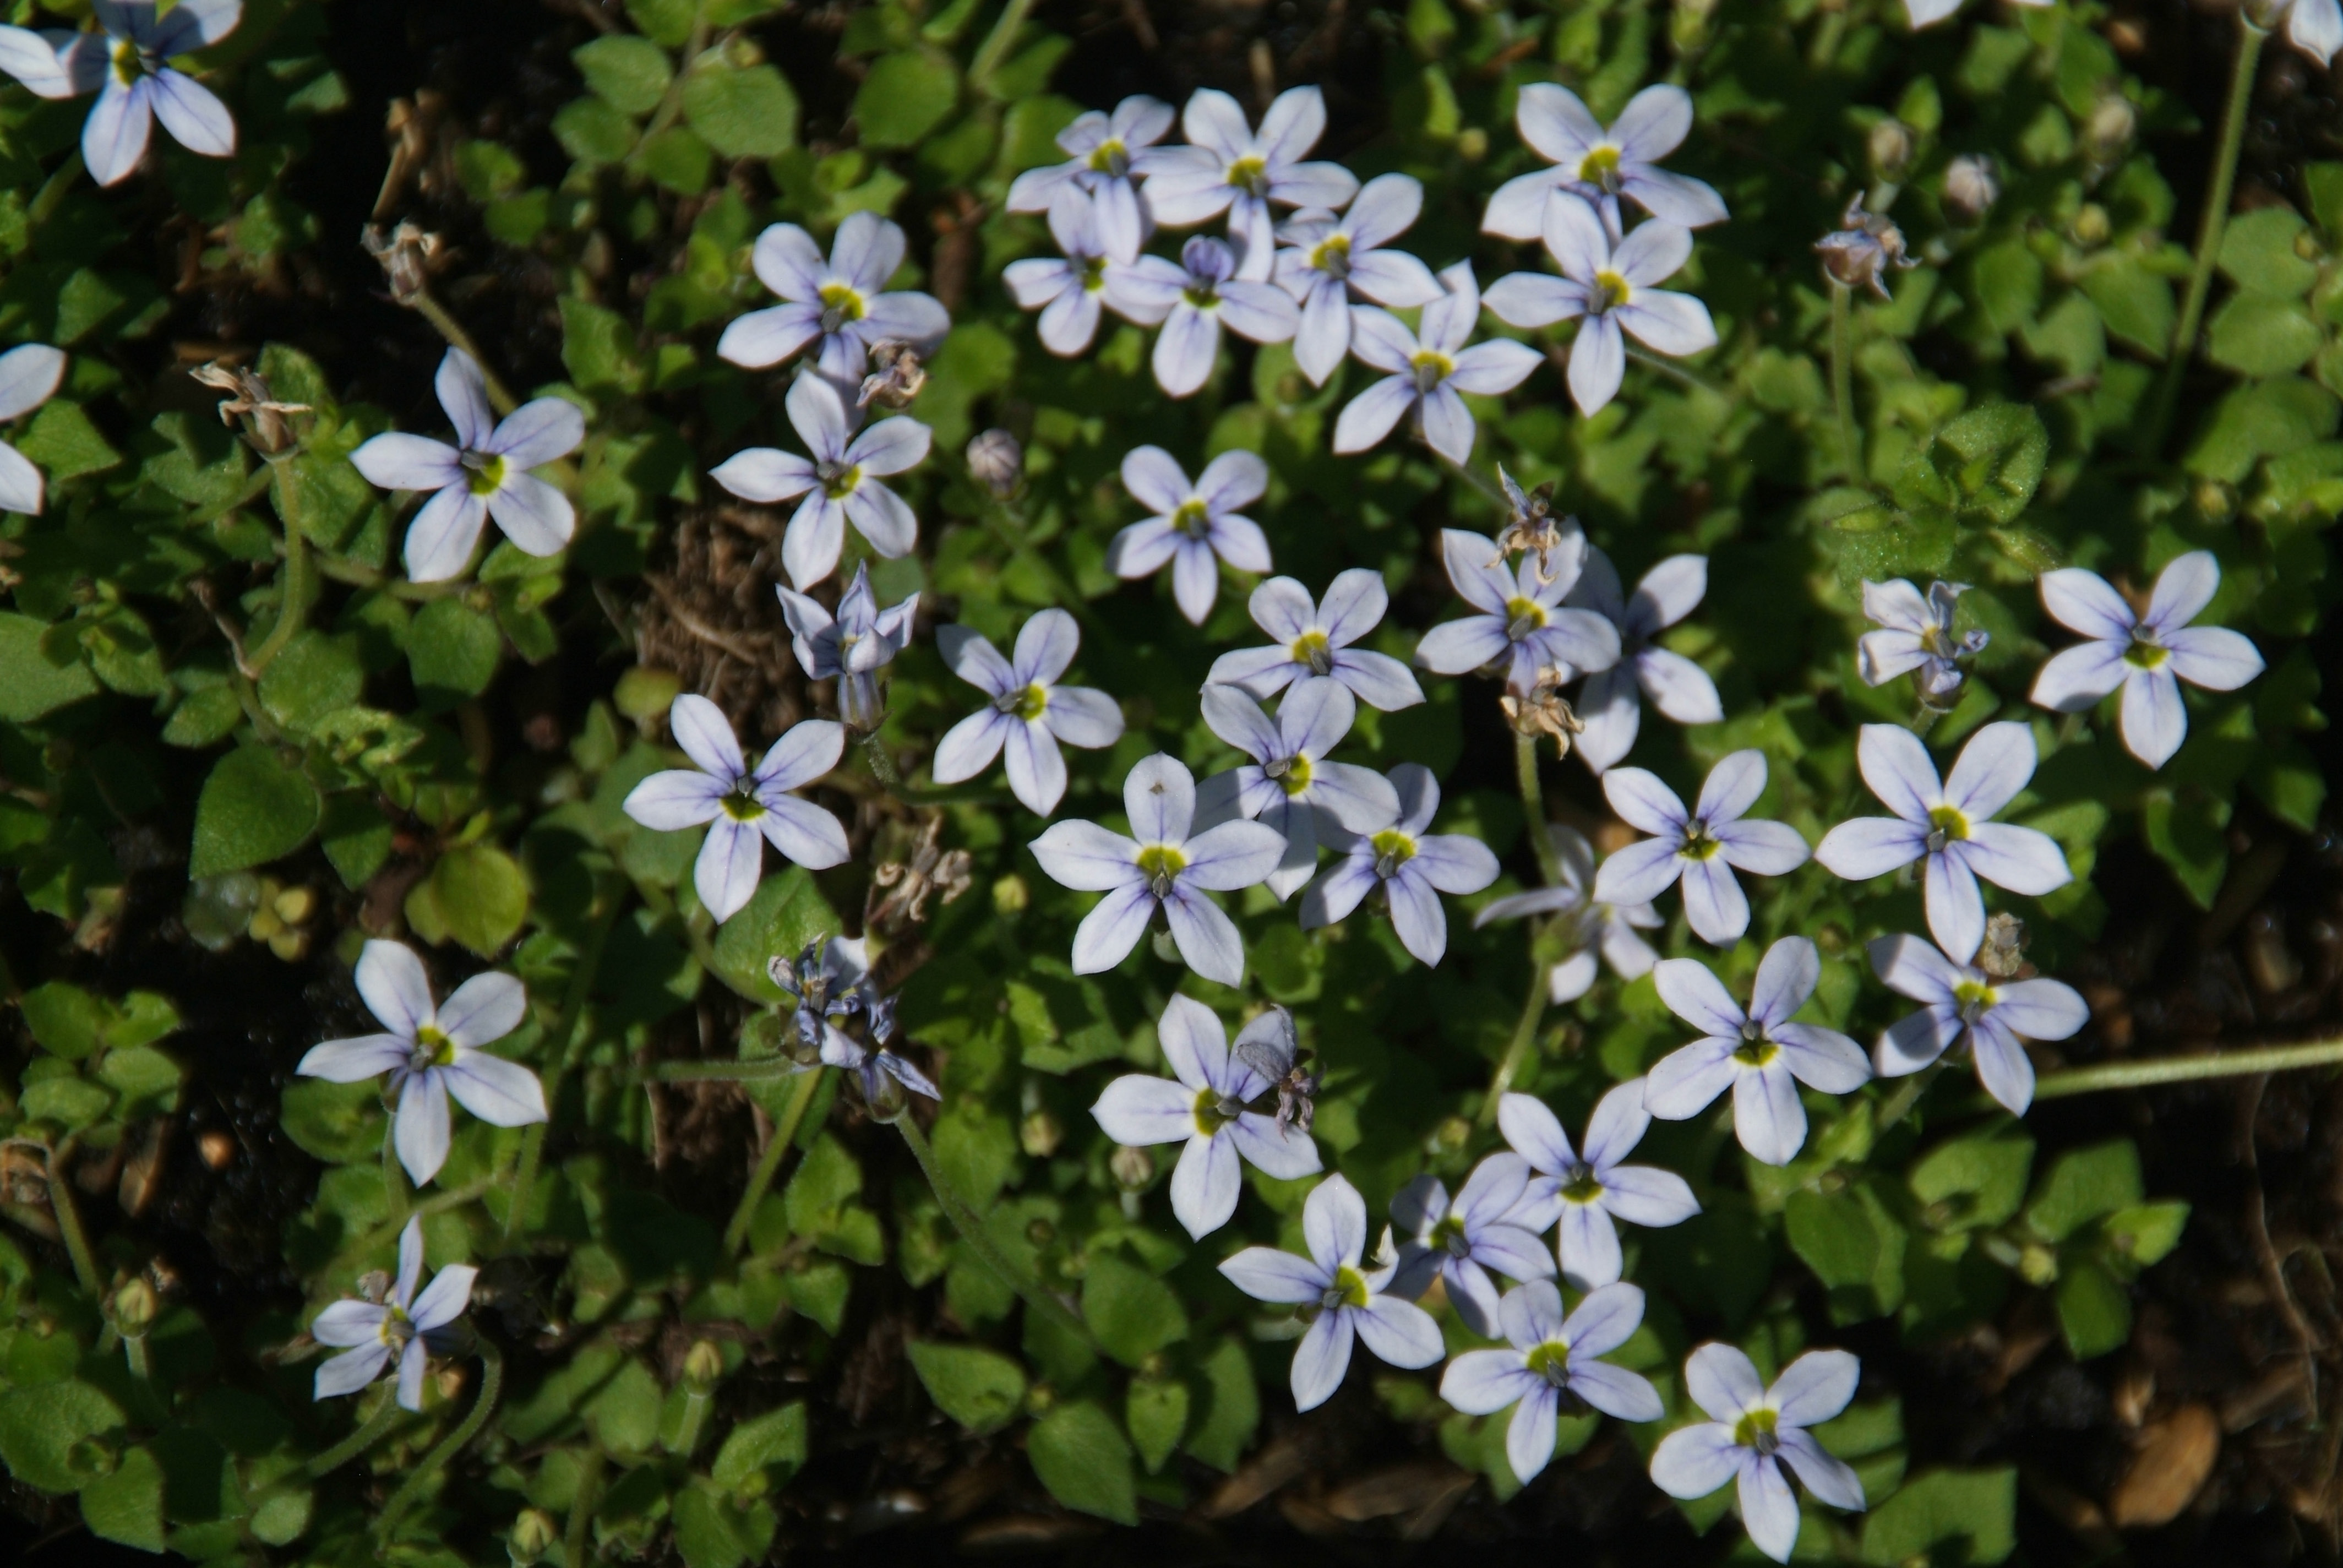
(499, 396)
(1850, 438)
(755, 1070)
(557, 1055)
(492, 1384)
(61, 1204)
(52, 192)
(1526, 773)
(581, 1509)
(2192, 1068)
(971, 1228)
(292, 607)
(2210, 227)
(1674, 371)
(994, 51)
(670, 104)
(768, 1165)
(365, 1437)
(1905, 1095)
(1518, 1051)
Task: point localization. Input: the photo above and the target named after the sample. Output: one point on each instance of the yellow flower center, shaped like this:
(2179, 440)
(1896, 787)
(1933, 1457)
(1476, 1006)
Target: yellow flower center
(741, 806)
(1975, 998)
(1312, 650)
(1348, 1289)
(1550, 1360)
(1193, 518)
(1111, 157)
(1250, 175)
(1523, 617)
(1699, 843)
(2144, 652)
(840, 482)
(1393, 850)
(1431, 367)
(1946, 826)
(839, 305)
(1162, 864)
(1756, 1431)
(488, 473)
(1601, 168)
(1610, 292)
(1331, 256)
(1291, 773)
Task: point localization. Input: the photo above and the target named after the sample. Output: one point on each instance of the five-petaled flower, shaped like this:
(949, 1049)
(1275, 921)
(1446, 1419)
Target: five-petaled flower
(1289, 785)
(1332, 260)
(1460, 1241)
(1029, 713)
(743, 808)
(1553, 1356)
(485, 475)
(1316, 642)
(1413, 866)
(1587, 1190)
(1599, 166)
(1161, 867)
(1206, 1110)
(1344, 1299)
(1916, 634)
(1960, 1000)
(1522, 620)
(1425, 369)
(124, 65)
(1701, 845)
(1609, 286)
(1759, 1052)
(1594, 928)
(1611, 706)
(1108, 153)
(1752, 1430)
(2149, 655)
(1068, 292)
(29, 376)
(850, 645)
(431, 1051)
(836, 302)
(408, 1328)
(1228, 167)
(1946, 823)
(1192, 525)
(1194, 297)
(837, 479)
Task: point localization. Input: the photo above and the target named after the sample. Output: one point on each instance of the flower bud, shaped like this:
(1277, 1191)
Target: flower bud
(532, 1535)
(702, 1365)
(2038, 1264)
(1970, 188)
(997, 462)
(1891, 147)
(1448, 1138)
(1010, 895)
(2091, 225)
(1472, 144)
(135, 1306)
(1133, 1167)
(643, 692)
(2109, 129)
(1040, 1134)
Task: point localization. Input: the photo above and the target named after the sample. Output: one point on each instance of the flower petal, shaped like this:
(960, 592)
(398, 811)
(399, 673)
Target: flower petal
(732, 863)
(1871, 847)
(1896, 766)
(1997, 762)
(391, 983)
(1694, 1461)
(1683, 1083)
(485, 1008)
(1614, 1390)
(1266, 1274)
(114, 137)
(2183, 589)
(2081, 602)
(1767, 1115)
(1814, 1388)
(1769, 1510)
(419, 1132)
(1786, 977)
(1723, 1383)
(1399, 1332)
(356, 1059)
(1822, 1058)
(1368, 418)
(1322, 1358)
(533, 515)
(1207, 939)
(2040, 1009)
(1083, 716)
(1087, 856)
(2022, 860)
(1136, 1109)
(1647, 1195)
(1205, 1184)
(1644, 804)
(1714, 904)
(1640, 873)
(537, 433)
(2212, 657)
(1829, 1479)
(352, 1369)
(1588, 1247)
(1956, 908)
(444, 1299)
(1112, 929)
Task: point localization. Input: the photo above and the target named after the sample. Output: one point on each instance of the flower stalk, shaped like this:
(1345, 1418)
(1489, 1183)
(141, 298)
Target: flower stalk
(492, 1383)
(385, 1417)
(1850, 437)
(2192, 1068)
(768, 1165)
(971, 1228)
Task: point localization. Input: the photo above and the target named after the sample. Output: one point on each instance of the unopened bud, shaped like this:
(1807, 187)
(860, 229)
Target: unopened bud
(1010, 895)
(702, 1365)
(1448, 1138)
(643, 692)
(1970, 188)
(1891, 147)
(2109, 129)
(2216, 502)
(997, 462)
(2091, 225)
(1472, 144)
(1133, 1167)
(1040, 1134)
(2038, 1264)
(532, 1535)
(135, 1306)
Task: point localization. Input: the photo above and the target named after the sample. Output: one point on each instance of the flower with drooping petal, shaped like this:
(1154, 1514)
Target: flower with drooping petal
(1193, 298)
(1916, 634)
(1317, 642)
(1599, 166)
(824, 983)
(1551, 1356)
(123, 65)
(872, 1064)
(408, 1328)
(485, 475)
(1946, 823)
(836, 302)
(1425, 369)
(1759, 1052)
(1460, 1242)
(1192, 525)
(1611, 287)
(1588, 1191)
(1961, 1000)
(2147, 656)
(743, 809)
(1522, 620)
(432, 1051)
(838, 481)
(1413, 866)
(1228, 167)
(29, 376)
(1029, 713)
(1069, 293)
(1342, 1299)
(1288, 786)
(1332, 260)
(1752, 1431)
(852, 646)
(1161, 867)
(1110, 153)
(1610, 705)
(1596, 926)
(1206, 1110)
(1701, 845)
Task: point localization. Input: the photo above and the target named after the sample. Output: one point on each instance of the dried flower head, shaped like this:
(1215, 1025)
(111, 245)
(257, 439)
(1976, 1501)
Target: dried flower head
(1971, 187)
(897, 378)
(997, 462)
(1545, 712)
(248, 397)
(1865, 247)
(407, 254)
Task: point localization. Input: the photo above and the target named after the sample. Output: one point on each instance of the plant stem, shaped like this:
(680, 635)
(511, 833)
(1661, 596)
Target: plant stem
(54, 191)
(761, 1181)
(1525, 774)
(1905, 1095)
(755, 1070)
(1518, 1051)
(359, 1442)
(2210, 227)
(291, 609)
(61, 1204)
(499, 396)
(581, 1509)
(994, 50)
(492, 1383)
(971, 1228)
(1850, 439)
(557, 1047)
(2186, 1069)
(1674, 371)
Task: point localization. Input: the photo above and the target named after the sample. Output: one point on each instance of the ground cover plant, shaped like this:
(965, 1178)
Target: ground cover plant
(1230, 783)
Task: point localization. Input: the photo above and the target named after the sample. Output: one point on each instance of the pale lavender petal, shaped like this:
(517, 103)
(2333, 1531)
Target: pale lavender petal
(2212, 657)
(1647, 1195)
(2080, 676)
(1767, 1115)
(763, 339)
(731, 862)
(1714, 902)
(352, 1369)
(1267, 1275)
(1205, 1185)
(1897, 766)
(1087, 856)
(1769, 1510)
(1829, 1479)
(1956, 908)
(2040, 1009)
(537, 433)
(967, 749)
(1136, 1109)
(1723, 1383)
(1037, 769)
(2081, 602)
(444, 1299)
(1640, 873)
(419, 1132)
(533, 515)
(487, 1007)
(1786, 977)
(2154, 721)
(1822, 1058)
(1482, 1383)
(391, 983)
(356, 1059)
(1871, 847)
(1694, 1461)
(1111, 930)
(1995, 764)
(2022, 860)
(1814, 1388)
(2003, 1067)
(1683, 1083)
(1588, 1247)
(1322, 1358)
(1644, 804)
(1368, 418)
(2183, 589)
(1910, 967)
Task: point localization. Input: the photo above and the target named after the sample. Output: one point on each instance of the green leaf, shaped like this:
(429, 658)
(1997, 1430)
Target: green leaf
(1977, 1507)
(355, 836)
(2145, 1233)
(703, 1533)
(2257, 253)
(147, 1080)
(905, 96)
(666, 22)
(1972, 1183)
(46, 1433)
(2187, 833)
(128, 1506)
(2094, 1310)
(2255, 335)
(592, 131)
(67, 1020)
(1133, 1314)
(311, 675)
(1082, 1457)
(1855, 1247)
(452, 649)
(598, 347)
(785, 913)
(1222, 1430)
(819, 1291)
(2003, 450)
(61, 439)
(980, 1388)
(1156, 1411)
(629, 73)
(339, 1123)
(482, 895)
(2082, 1185)
(772, 1444)
(2009, 281)
(203, 720)
(253, 809)
(742, 114)
(72, 1103)
(283, 1517)
(677, 158)
(31, 684)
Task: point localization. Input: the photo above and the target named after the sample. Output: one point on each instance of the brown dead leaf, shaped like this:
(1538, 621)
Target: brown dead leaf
(1396, 1488)
(2174, 1459)
(1280, 1461)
